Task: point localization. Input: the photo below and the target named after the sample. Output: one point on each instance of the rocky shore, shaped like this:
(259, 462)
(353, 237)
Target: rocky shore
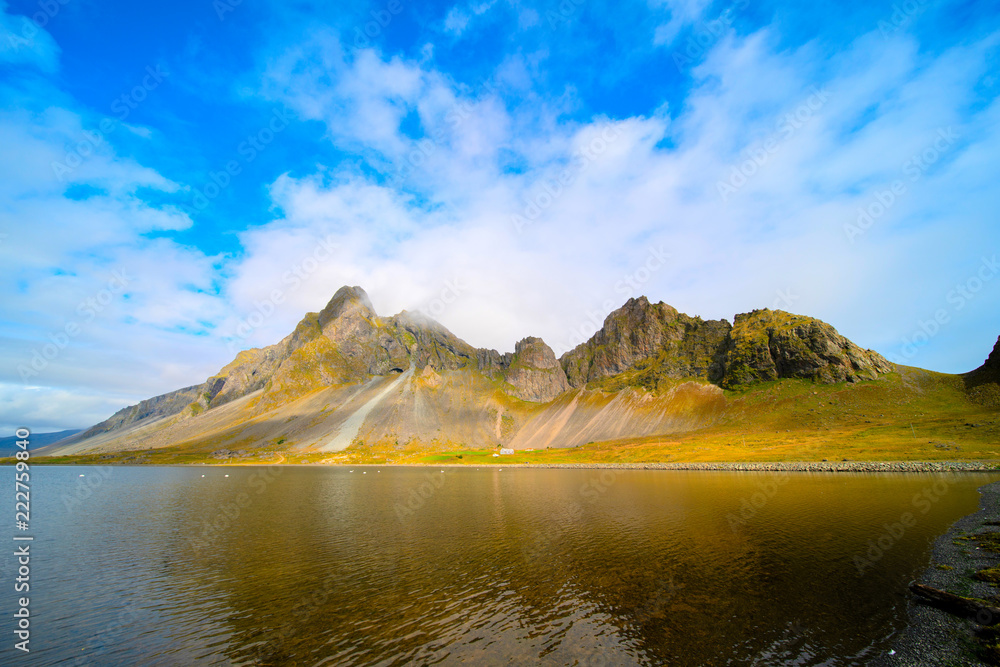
(786, 466)
(935, 638)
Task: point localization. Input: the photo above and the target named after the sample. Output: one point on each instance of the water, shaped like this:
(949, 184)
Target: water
(310, 566)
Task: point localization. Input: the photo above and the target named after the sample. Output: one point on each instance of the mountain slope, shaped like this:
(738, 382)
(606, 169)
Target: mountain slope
(37, 442)
(347, 378)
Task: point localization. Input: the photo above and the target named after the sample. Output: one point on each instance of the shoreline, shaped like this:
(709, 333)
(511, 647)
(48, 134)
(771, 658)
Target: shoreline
(780, 466)
(762, 466)
(933, 637)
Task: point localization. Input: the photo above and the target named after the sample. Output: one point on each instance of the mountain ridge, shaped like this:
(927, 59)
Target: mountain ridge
(649, 370)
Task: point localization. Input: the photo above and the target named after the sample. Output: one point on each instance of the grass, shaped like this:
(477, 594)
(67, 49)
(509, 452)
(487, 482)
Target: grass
(913, 415)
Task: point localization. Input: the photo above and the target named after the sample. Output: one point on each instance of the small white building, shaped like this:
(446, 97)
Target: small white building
(506, 452)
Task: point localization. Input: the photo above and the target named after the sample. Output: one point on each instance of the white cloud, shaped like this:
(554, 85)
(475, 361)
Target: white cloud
(43, 409)
(24, 41)
(456, 21)
(424, 216)
(458, 18)
(780, 234)
(100, 310)
(682, 13)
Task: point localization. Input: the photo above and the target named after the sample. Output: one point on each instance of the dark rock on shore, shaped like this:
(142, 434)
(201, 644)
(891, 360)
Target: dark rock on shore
(935, 638)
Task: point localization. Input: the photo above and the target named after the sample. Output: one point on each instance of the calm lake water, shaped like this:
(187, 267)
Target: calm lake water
(315, 566)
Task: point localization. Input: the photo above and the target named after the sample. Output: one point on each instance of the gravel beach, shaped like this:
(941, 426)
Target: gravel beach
(786, 466)
(935, 637)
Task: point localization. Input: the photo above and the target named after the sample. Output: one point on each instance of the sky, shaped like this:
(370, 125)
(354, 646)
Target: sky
(180, 181)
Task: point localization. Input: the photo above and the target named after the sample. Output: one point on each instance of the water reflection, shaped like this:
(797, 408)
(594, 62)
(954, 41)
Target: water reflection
(398, 566)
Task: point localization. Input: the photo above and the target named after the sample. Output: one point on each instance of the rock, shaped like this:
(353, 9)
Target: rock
(983, 384)
(771, 344)
(647, 345)
(534, 372)
(655, 341)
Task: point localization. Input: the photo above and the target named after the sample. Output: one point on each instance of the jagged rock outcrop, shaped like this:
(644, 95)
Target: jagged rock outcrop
(429, 344)
(652, 346)
(652, 343)
(771, 344)
(351, 343)
(492, 364)
(534, 372)
(983, 384)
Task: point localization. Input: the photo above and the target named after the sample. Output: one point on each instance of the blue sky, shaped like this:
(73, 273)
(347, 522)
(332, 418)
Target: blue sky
(184, 180)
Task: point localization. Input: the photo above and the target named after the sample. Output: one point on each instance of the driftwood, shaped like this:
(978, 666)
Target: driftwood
(956, 604)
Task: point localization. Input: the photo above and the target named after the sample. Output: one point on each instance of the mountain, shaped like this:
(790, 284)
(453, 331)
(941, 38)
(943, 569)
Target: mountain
(983, 384)
(643, 344)
(8, 446)
(349, 378)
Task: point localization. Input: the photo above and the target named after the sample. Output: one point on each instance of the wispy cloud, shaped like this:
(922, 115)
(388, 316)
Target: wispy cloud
(419, 174)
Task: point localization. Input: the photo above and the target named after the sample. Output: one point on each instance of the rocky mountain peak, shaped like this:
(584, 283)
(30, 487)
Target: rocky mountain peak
(534, 372)
(993, 361)
(347, 302)
(533, 350)
(654, 339)
(983, 384)
(771, 344)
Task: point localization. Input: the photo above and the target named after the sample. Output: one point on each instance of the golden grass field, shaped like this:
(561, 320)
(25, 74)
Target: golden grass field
(912, 415)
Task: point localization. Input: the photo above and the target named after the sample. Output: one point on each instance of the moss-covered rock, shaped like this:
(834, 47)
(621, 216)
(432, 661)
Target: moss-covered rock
(768, 345)
(654, 338)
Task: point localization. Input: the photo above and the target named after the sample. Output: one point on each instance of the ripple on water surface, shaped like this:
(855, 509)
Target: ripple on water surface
(562, 567)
